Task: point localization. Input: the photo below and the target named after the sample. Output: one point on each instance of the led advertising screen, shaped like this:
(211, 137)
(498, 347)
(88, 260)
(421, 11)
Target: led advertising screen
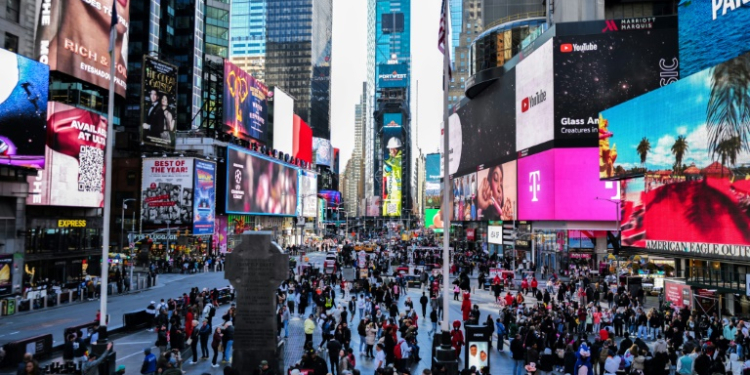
(478, 354)
(283, 121)
(308, 193)
(683, 141)
(167, 191)
(393, 120)
(495, 235)
(393, 75)
(220, 234)
(74, 174)
(245, 104)
(597, 71)
(303, 140)
(563, 184)
(322, 152)
(259, 186)
(159, 103)
(464, 192)
(392, 170)
(496, 197)
(373, 206)
(483, 131)
(332, 197)
(6, 274)
(433, 220)
(432, 189)
(73, 38)
(204, 201)
(535, 95)
(711, 32)
(23, 110)
(336, 160)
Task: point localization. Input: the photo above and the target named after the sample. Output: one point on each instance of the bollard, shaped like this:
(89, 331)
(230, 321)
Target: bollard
(58, 298)
(31, 304)
(156, 280)
(45, 301)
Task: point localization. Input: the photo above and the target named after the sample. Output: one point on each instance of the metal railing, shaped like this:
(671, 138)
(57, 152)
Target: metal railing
(715, 278)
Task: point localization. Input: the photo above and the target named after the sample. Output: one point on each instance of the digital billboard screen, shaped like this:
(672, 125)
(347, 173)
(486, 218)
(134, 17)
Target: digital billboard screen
(684, 143)
(73, 38)
(332, 197)
(23, 110)
(496, 196)
(372, 206)
(6, 274)
(393, 75)
(245, 104)
(74, 174)
(464, 192)
(336, 160)
(167, 191)
(159, 103)
(597, 71)
(308, 193)
(483, 131)
(392, 170)
(711, 32)
(322, 152)
(433, 220)
(283, 121)
(204, 201)
(433, 187)
(535, 95)
(393, 120)
(256, 185)
(303, 140)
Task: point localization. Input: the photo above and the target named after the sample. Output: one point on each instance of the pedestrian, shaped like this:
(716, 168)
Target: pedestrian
(151, 315)
(309, 330)
(205, 333)
(161, 339)
(216, 345)
(228, 340)
(500, 330)
(518, 353)
(379, 357)
(334, 348)
(371, 338)
(149, 363)
(423, 301)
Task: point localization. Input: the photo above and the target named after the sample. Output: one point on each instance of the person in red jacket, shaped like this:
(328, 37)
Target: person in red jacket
(189, 322)
(534, 285)
(508, 300)
(457, 338)
(525, 286)
(466, 306)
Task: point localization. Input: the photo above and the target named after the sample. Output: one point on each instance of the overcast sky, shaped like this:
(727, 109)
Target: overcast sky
(349, 64)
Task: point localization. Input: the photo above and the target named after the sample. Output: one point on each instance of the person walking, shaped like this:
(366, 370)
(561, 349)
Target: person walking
(309, 329)
(193, 340)
(149, 363)
(423, 301)
(519, 354)
(204, 333)
(227, 340)
(216, 346)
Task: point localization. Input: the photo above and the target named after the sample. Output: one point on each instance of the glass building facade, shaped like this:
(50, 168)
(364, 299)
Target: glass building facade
(457, 10)
(392, 34)
(248, 36)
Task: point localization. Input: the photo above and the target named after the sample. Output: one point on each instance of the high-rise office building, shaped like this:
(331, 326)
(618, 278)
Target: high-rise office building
(17, 22)
(469, 26)
(358, 155)
(248, 36)
(298, 57)
(369, 187)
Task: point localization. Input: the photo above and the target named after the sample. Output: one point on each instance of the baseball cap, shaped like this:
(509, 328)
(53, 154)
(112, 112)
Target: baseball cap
(264, 363)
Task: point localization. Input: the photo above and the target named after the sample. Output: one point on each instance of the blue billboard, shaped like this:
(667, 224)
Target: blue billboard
(204, 202)
(393, 120)
(393, 75)
(432, 188)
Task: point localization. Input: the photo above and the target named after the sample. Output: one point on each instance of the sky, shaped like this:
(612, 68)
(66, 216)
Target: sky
(349, 71)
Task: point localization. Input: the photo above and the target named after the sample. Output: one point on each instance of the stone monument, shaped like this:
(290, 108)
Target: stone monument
(256, 268)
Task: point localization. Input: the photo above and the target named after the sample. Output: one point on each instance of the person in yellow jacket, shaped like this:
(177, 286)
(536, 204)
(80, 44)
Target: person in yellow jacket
(309, 329)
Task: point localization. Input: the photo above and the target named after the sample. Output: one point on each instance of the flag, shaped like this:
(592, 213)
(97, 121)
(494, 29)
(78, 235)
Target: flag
(113, 27)
(443, 45)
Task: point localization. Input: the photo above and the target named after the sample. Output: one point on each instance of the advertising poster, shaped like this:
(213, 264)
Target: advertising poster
(483, 131)
(23, 110)
(495, 235)
(321, 210)
(204, 200)
(679, 295)
(258, 185)
(238, 224)
(393, 75)
(332, 197)
(74, 175)
(6, 274)
(683, 142)
(393, 120)
(73, 38)
(336, 152)
(303, 140)
(283, 121)
(373, 206)
(322, 152)
(159, 103)
(220, 234)
(535, 95)
(711, 32)
(245, 104)
(433, 187)
(597, 71)
(433, 220)
(478, 354)
(308, 193)
(167, 191)
(392, 171)
(496, 197)
(464, 193)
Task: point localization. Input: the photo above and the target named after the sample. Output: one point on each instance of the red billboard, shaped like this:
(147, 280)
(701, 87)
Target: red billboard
(303, 140)
(678, 295)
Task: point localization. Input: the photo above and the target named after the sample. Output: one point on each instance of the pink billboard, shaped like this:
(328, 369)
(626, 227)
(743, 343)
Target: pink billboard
(563, 184)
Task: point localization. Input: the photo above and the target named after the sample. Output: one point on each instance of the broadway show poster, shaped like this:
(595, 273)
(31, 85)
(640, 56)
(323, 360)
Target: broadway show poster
(159, 103)
(204, 200)
(392, 171)
(220, 234)
(73, 38)
(258, 185)
(245, 104)
(6, 274)
(23, 110)
(167, 191)
(685, 143)
(74, 175)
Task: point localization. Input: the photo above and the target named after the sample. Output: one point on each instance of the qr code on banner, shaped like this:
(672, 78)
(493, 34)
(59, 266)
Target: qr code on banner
(90, 169)
(391, 208)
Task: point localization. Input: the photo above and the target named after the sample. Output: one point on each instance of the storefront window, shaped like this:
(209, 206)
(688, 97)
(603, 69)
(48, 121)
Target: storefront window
(60, 240)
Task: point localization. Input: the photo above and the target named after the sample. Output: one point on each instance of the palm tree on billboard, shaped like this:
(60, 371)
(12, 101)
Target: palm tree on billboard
(643, 148)
(679, 148)
(728, 112)
(728, 150)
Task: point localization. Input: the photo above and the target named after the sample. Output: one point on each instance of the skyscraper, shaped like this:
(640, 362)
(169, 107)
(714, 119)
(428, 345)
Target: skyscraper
(248, 36)
(463, 32)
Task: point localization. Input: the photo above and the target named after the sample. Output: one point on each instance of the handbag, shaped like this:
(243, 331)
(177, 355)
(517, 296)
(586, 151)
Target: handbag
(189, 341)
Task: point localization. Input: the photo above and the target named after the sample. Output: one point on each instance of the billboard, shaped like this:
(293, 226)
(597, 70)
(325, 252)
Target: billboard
(711, 32)
(496, 197)
(597, 71)
(23, 110)
(433, 220)
(483, 132)
(563, 184)
(303, 140)
(336, 160)
(373, 206)
(393, 120)
(308, 193)
(393, 75)
(6, 274)
(392, 170)
(220, 234)
(158, 103)
(73, 38)
(495, 234)
(74, 174)
(167, 191)
(283, 122)
(464, 192)
(204, 201)
(257, 185)
(245, 104)
(332, 197)
(535, 95)
(433, 187)
(322, 152)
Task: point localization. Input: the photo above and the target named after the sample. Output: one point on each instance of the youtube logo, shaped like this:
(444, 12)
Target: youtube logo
(533, 100)
(566, 48)
(524, 105)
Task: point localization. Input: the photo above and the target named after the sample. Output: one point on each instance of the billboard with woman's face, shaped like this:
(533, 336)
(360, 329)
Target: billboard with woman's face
(159, 103)
(496, 192)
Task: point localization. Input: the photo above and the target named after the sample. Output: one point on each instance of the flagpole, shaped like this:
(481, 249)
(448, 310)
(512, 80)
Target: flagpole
(445, 324)
(108, 168)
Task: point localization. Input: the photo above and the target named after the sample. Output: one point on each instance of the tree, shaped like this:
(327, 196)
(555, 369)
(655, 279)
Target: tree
(679, 148)
(643, 148)
(728, 112)
(728, 150)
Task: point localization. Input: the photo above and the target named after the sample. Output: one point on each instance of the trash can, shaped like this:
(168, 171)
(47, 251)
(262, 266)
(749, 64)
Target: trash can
(4, 307)
(11, 306)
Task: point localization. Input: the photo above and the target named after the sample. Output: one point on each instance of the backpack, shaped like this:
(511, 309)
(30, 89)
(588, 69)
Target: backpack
(329, 303)
(603, 353)
(211, 311)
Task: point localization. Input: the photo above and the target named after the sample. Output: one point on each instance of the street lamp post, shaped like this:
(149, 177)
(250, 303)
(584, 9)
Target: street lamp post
(122, 223)
(617, 223)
